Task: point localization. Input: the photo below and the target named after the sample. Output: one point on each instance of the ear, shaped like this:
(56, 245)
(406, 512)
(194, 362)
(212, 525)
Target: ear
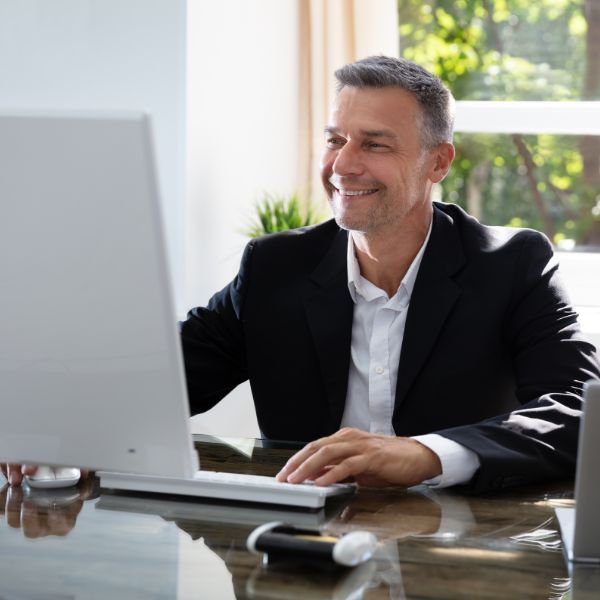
(442, 155)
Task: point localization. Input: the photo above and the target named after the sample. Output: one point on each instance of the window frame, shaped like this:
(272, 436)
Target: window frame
(526, 117)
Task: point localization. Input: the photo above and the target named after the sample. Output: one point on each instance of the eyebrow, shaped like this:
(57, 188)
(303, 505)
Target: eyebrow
(386, 133)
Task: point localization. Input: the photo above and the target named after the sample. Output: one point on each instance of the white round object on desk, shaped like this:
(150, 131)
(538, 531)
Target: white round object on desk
(354, 548)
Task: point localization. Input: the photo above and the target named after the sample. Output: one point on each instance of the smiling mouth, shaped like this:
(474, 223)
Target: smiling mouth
(355, 192)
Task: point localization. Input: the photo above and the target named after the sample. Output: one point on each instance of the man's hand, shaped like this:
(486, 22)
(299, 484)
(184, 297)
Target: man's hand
(45, 512)
(369, 459)
(15, 473)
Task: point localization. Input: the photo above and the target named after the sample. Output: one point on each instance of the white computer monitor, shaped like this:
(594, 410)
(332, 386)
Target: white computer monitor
(580, 526)
(90, 363)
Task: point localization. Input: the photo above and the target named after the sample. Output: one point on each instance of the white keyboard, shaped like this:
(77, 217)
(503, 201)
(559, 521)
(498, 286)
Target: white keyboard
(229, 486)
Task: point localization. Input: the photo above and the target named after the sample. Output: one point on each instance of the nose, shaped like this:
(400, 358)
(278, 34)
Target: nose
(348, 160)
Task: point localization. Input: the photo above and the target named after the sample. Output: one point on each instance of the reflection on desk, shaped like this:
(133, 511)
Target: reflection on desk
(433, 544)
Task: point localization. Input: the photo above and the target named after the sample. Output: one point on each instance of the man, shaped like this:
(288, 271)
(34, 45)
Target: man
(403, 339)
(401, 317)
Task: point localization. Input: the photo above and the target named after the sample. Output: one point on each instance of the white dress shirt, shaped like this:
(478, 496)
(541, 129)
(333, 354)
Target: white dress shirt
(377, 334)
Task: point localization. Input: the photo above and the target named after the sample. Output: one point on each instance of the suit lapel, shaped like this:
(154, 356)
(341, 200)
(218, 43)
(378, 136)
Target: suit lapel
(329, 309)
(433, 297)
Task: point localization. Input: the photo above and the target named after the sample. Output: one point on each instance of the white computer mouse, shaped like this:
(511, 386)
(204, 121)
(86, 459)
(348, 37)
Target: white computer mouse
(354, 548)
(53, 477)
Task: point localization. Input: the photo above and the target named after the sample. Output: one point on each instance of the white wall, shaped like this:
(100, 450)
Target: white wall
(581, 274)
(105, 54)
(242, 142)
(242, 128)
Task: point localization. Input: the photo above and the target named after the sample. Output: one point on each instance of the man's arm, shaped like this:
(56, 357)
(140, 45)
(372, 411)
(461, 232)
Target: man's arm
(551, 362)
(214, 348)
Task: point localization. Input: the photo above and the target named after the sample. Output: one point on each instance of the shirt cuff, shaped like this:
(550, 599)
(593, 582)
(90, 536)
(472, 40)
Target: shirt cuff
(459, 464)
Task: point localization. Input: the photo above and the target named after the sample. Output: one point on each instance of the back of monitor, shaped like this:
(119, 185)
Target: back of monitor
(586, 539)
(90, 364)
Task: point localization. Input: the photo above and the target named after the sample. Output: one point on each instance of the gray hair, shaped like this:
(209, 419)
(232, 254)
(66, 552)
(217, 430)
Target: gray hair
(434, 98)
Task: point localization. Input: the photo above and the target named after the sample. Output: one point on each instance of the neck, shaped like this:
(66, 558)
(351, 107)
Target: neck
(384, 259)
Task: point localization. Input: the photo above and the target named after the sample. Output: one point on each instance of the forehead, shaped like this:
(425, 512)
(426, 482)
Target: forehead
(374, 109)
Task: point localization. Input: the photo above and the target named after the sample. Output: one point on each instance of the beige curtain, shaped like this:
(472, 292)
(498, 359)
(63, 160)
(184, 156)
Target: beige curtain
(331, 34)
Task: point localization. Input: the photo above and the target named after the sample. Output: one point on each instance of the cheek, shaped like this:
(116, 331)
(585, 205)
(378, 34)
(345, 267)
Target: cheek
(326, 162)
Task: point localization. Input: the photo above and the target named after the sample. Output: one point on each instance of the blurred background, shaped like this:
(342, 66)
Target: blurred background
(238, 92)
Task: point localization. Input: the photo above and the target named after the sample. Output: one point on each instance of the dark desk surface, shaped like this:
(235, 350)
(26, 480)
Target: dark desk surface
(97, 544)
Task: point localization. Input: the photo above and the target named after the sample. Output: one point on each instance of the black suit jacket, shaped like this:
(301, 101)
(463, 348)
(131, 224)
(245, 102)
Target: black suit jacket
(492, 355)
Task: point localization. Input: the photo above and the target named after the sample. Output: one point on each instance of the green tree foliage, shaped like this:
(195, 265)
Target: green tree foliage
(513, 50)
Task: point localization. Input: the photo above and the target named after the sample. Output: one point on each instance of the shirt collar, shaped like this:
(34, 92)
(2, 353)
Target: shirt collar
(357, 284)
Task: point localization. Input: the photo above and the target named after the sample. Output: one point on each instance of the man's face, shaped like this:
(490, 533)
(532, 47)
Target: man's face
(374, 168)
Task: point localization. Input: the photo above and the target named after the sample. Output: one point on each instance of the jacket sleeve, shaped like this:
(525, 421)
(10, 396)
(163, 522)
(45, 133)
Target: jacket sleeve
(551, 363)
(212, 338)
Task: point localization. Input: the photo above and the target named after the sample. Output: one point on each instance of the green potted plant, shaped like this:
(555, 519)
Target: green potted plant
(280, 213)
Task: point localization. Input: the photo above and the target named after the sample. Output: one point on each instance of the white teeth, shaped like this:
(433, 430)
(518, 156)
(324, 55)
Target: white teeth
(356, 192)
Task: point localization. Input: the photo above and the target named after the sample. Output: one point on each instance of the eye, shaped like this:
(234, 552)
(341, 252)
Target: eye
(334, 142)
(375, 146)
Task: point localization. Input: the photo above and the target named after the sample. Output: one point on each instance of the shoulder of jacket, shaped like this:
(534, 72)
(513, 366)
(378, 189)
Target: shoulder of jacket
(303, 235)
(490, 238)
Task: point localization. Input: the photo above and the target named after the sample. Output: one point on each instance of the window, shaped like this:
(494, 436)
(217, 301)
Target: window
(522, 73)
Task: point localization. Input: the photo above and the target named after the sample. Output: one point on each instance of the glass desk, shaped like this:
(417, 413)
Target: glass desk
(92, 543)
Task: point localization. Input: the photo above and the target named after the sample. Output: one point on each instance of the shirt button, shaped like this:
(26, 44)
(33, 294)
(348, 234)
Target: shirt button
(379, 370)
